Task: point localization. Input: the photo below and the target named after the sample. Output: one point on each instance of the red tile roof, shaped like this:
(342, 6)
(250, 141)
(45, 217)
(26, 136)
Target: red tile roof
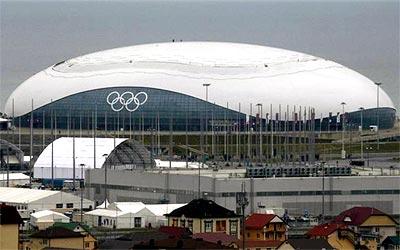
(357, 215)
(224, 238)
(260, 243)
(258, 221)
(179, 244)
(325, 229)
(176, 232)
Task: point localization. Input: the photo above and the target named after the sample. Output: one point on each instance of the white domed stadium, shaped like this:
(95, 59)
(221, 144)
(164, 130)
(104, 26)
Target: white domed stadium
(164, 80)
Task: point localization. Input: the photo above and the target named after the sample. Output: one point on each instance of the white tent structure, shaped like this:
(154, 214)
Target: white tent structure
(63, 155)
(28, 200)
(130, 215)
(44, 219)
(159, 211)
(117, 219)
(14, 179)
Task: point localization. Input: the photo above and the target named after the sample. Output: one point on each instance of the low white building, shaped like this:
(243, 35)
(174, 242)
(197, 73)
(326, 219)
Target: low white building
(29, 201)
(130, 215)
(46, 218)
(14, 179)
(179, 164)
(116, 219)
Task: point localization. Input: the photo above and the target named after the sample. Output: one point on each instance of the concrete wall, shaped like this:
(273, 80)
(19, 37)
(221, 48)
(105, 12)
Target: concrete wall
(296, 194)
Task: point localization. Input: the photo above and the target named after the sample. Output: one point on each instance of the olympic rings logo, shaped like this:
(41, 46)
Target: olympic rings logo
(126, 100)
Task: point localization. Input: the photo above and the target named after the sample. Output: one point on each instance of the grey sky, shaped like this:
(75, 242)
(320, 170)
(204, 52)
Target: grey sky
(361, 35)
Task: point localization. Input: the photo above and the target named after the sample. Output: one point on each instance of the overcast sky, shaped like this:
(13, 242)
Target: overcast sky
(361, 35)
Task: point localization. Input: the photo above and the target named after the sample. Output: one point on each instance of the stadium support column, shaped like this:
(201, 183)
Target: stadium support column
(43, 130)
(52, 148)
(31, 146)
(361, 131)
(378, 84)
(272, 136)
(323, 193)
(186, 141)
(94, 136)
(170, 154)
(312, 137)
(206, 116)
(237, 135)
(260, 111)
(81, 186)
(343, 153)
(105, 179)
(73, 156)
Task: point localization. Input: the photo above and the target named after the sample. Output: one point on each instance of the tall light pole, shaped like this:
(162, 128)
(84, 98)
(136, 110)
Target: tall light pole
(361, 129)
(81, 189)
(105, 179)
(260, 111)
(378, 86)
(368, 148)
(206, 127)
(343, 127)
(323, 192)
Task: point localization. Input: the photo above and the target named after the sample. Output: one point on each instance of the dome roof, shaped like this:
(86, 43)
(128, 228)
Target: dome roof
(238, 73)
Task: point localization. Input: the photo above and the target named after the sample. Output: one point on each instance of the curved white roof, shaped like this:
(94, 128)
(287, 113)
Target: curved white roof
(238, 73)
(23, 195)
(63, 156)
(48, 215)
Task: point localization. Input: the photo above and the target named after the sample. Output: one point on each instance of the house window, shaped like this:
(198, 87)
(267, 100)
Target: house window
(44, 242)
(208, 226)
(174, 222)
(221, 225)
(182, 223)
(87, 244)
(59, 205)
(190, 225)
(70, 205)
(233, 226)
(138, 221)
(258, 236)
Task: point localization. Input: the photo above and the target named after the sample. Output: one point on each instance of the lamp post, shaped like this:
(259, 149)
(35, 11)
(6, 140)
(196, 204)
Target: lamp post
(361, 129)
(260, 111)
(81, 189)
(323, 191)
(206, 111)
(378, 84)
(368, 148)
(105, 179)
(343, 128)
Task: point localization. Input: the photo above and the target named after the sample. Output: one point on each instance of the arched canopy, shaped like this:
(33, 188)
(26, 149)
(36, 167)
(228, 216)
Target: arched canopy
(115, 152)
(12, 151)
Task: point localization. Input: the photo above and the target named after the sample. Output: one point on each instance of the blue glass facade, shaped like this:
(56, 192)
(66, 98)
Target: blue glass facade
(133, 108)
(136, 108)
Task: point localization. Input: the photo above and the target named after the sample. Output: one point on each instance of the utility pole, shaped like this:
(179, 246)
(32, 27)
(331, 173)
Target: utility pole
(242, 202)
